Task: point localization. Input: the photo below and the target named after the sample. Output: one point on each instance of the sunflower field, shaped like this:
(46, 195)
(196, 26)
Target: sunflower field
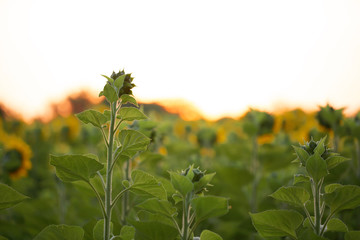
(177, 178)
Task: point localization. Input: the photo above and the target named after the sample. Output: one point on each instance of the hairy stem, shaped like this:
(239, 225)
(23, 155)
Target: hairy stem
(185, 219)
(125, 200)
(108, 187)
(317, 206)
(309, 217)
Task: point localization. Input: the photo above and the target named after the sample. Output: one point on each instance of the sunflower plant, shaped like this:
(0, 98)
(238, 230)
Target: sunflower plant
(320, 203)
(121, 144)
(179, 216)
(154, 216)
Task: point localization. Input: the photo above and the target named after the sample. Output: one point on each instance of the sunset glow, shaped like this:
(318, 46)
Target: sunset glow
(222, 57)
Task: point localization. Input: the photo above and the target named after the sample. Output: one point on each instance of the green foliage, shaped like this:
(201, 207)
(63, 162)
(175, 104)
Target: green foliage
(297, 196)
(342, 198)
(154, 230)
(131, 113)
(9, 197)
(352, 235)
(97, 119)
(70, 168)
(146, 184)
(98, 231)
(159, 206)
(316, 159)
(336, 225)
(208, 235)
(181, 183)
(132, 142)
(61, 232)
(110, 93)
(127, 233)
(277, 223)
(125, 98)
(316, 167)
(189, 186)
(209, 206)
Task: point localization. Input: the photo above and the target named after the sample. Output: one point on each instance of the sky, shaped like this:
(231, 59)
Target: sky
(221, 56)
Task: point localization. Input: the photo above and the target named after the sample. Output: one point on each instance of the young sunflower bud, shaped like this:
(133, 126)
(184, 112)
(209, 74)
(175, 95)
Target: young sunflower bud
(310, 147)
(198, 174)
(127, 86)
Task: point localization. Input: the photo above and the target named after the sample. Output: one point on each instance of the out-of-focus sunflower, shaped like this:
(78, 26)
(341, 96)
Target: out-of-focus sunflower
(207, 152)
(265, 138)
(15, 157)
(73, 125)
(162, 150)
(260, 125)
(180, 128)
(296, 123)
(221, 135)
(66, 128)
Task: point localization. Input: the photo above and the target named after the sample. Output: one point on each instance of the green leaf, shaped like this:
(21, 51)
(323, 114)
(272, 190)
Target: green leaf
(300, 178)
(93, 117)
(127, 233)
(9, 196)
(130, 114)
(119, 82)
(297, 196)
(301, 154)
(209, 206)
(3, 238)
(88, 229)
(276, 223)
(177, 198)
(345, 197)
(333, 161)
(331, 187)
(154, 231)
(61, 232)
(145, 216)
(107, 114)
(125, 98)
(316, 167)
(132, 142)
(181, 183)
(170, 190)
(145, 184)
(108, 78)
(154, 205)
(308, 234)
(352, 235)
(110, 93)
(336, 225)
(320, 148)
(71, 168)
(98, 231)
(208, 235)
(306, 222)
(203, 182)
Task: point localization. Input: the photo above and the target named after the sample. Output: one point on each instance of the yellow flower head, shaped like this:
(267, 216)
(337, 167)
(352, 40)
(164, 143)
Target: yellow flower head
(15, 149)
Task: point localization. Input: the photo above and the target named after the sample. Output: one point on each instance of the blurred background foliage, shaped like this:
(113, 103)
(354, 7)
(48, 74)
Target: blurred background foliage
(251, 156)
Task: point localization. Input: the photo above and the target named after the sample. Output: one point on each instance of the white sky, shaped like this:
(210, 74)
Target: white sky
(222, 56)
